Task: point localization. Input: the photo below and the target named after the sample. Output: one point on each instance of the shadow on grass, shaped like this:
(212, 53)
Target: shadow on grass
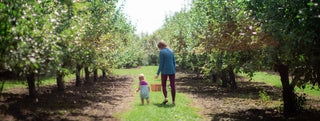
(160, 105)
(90, 100)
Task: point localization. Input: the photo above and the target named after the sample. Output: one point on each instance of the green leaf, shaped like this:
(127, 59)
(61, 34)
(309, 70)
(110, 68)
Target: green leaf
(310, 4)
(36, 65)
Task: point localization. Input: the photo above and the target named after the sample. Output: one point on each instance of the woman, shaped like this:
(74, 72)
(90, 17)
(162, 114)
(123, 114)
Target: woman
(167, 68)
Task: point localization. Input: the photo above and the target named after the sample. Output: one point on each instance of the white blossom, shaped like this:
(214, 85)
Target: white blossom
(33, 60)
(64, 11)
(56, 13)
(53, 20)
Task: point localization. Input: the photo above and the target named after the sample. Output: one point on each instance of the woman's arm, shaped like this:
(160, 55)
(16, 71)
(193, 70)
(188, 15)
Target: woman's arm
(160, 65)
(160, 62)
(174, 61)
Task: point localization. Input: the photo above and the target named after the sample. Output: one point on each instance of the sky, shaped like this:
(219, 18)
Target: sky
(149, 15)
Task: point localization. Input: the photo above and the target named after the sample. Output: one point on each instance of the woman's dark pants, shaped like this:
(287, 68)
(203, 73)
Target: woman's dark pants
(172, 85)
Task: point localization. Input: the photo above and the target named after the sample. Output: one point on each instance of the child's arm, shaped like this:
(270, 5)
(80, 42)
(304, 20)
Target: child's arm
(138, 89)
(149, 88)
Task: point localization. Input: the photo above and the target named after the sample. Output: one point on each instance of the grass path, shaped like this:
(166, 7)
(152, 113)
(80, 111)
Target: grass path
(156, 111)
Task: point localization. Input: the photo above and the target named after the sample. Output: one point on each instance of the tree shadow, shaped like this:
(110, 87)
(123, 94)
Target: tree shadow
(160, 105)
(101, 96)
(224, 104)
(245, 90)
(266, 115)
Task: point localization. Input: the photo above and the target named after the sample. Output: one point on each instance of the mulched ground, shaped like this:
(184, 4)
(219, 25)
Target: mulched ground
(95, 101)
(108, 96)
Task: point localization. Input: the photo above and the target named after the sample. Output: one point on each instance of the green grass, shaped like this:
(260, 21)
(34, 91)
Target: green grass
(275, 80)
(156, 111)
(47, 81)
(43, 81)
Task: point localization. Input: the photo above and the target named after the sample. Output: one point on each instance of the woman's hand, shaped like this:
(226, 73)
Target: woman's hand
(156, 77)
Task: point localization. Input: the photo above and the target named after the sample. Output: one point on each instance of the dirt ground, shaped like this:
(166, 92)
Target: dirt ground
(108, 96)
(95, 101)
(242, 104)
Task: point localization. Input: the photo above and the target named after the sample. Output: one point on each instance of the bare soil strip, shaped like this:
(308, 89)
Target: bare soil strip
(242, 104)
(102, 99)
(94, 101)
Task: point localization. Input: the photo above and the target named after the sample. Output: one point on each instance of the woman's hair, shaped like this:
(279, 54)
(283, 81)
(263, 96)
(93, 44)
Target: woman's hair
(141, 77)
(162, 44)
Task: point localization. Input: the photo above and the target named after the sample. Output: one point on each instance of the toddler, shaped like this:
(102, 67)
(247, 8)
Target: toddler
(144, 89)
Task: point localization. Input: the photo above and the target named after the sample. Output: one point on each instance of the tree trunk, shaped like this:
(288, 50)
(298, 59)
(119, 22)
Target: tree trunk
(95, 75)
(214, 78)
(232, 78)
(31, 85)
(103, 73)
(78, 78)
(288, 95)
(224, 78)
(87, 74)
(317, 74)
(2, 85)
(60, 81)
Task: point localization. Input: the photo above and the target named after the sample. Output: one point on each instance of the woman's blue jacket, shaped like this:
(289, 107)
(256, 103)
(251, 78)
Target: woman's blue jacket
(167, 62)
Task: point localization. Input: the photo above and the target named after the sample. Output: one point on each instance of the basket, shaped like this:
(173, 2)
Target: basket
(155, 87)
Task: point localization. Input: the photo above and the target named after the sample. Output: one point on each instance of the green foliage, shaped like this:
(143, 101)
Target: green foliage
(150, 50)
(213, 37)
(51, 37)
(264, 96)
(293, 24)
(248, 36)
(28, 36)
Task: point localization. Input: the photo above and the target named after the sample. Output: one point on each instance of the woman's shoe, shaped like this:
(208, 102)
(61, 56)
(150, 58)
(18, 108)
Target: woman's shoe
(165, 102)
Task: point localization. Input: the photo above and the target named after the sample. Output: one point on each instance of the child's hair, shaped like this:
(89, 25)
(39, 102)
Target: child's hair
(141, 77)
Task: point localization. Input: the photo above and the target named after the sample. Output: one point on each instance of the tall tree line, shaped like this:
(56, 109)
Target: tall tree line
(219, 38)
(41, 38)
